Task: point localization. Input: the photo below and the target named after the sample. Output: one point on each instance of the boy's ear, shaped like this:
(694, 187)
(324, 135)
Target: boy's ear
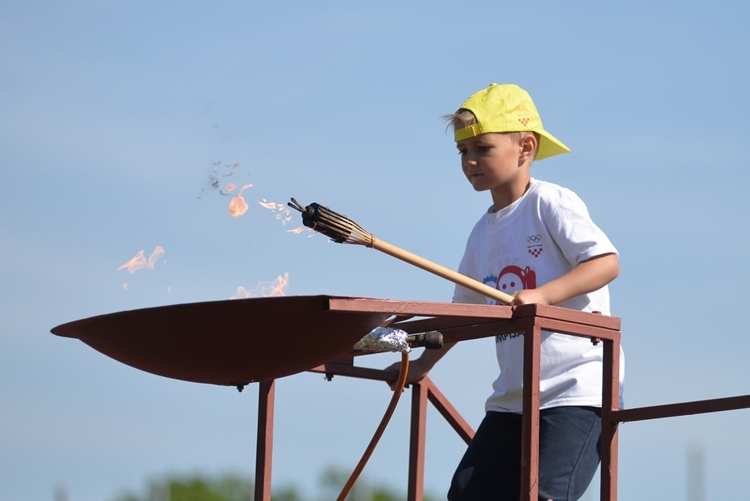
(529, 146)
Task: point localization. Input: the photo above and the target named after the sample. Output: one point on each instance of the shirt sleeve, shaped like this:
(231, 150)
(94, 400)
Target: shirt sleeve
(572, 228)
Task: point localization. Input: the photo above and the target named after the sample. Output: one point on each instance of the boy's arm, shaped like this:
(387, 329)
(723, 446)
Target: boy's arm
(419, 367)
(586, 277)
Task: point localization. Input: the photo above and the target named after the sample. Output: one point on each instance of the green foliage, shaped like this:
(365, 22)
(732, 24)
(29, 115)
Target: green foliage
(227, 487)
(232, 487)
(286, 493)
(333, 479)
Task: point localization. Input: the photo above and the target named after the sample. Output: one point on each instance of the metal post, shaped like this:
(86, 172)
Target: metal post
(610, 402)
(532, 339)
(417, 441)
(264, 447)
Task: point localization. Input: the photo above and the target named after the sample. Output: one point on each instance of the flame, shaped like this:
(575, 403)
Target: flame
(268, 205)
(264, 289)
(238, 206)
(283, 212)
(140, 262)
(302, 229)
(229, 188)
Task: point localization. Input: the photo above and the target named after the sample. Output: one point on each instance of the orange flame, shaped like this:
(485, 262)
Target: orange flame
(282, 211)
(268, 205)
(300, 229)
(265, 289)
(140, 262)
(238, 206)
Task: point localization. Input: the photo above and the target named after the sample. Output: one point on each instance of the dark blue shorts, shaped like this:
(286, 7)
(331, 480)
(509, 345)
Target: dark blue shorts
(569, 455)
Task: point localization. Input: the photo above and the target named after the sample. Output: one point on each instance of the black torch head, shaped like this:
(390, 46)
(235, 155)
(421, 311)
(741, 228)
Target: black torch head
(324, 220)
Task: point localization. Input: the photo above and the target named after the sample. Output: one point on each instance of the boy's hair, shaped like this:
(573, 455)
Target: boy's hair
(463, 118)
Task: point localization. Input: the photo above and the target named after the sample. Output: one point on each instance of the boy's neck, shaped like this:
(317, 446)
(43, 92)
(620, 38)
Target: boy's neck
(504, 196)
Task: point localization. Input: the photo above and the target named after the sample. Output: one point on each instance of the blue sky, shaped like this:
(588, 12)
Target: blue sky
(113, 113)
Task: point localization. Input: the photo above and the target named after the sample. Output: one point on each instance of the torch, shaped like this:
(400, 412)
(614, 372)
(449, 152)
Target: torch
(343, 230)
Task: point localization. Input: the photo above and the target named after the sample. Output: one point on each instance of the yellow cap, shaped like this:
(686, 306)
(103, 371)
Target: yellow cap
(508, 108)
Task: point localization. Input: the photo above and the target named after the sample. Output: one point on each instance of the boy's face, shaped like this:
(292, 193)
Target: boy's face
(492, 162)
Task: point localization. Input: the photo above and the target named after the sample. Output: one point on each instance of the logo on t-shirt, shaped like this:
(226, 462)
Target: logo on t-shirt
(514, 278)
(535, 245)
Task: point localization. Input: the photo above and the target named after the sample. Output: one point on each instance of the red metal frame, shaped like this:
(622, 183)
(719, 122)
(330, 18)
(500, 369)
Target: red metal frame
(264, 447)
(200, 342)
(463, 322)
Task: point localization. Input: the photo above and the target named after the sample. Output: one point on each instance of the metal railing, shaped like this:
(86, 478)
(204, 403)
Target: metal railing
(464, 322)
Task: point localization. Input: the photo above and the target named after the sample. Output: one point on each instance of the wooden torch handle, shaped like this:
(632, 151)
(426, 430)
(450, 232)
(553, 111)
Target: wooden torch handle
(440, 271)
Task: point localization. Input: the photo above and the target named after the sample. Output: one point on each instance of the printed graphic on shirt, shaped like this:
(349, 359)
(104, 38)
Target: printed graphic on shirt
(534, 245)
(504, 337)
(512, 279)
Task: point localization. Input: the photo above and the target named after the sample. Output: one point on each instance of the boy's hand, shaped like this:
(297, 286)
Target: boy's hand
(586, 277)
(529, 296)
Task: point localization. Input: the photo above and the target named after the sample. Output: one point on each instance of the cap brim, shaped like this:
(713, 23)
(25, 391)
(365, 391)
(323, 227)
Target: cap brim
(549, 146)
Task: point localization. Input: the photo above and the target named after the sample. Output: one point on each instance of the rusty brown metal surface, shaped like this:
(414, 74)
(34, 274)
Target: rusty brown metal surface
(443, 324)
(261, 339)
(415, 490)
(567, 315)
(457, 323)
(532, 347)
(419, 308)
(682, 409)
(264, 446)
(609, 447)
(231, 342)
(348, 369)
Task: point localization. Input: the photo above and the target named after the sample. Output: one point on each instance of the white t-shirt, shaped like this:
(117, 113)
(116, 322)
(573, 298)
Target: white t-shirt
(538, 238)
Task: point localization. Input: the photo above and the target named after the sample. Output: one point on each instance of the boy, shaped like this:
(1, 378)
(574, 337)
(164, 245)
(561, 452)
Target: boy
(537, 243)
